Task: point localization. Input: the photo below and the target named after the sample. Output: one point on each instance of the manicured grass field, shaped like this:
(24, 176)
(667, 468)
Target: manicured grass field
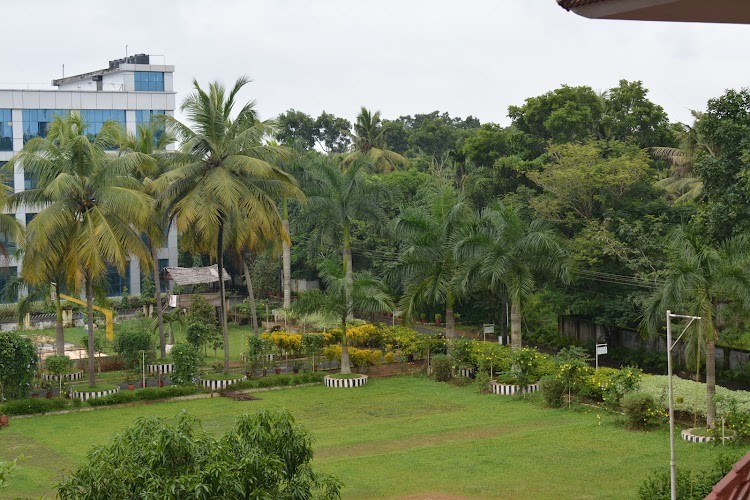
(396, 438)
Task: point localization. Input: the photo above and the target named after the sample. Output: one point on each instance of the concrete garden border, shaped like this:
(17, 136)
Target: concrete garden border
(511, 389)
(358, 381)
(687, 435)
(85, 395)
(219, 384)
(466, 372)
(160, 368)
(67, 377)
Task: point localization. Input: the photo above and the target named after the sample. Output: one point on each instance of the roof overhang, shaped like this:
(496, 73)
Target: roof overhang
(693, 11)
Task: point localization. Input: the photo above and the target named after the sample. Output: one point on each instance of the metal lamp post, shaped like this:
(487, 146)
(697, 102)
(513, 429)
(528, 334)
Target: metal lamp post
(670, 346)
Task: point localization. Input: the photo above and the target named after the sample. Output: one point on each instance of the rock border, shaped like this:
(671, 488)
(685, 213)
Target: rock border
(49, 377)
(219, 384)
(512, 389)
(330, 381)
(86, 395)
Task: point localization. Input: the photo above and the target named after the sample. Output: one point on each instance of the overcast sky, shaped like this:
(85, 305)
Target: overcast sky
(466, 57)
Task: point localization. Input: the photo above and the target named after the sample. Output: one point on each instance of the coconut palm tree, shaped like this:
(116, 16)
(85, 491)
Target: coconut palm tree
(226, 170)
(340, 299)
(698, 280)
(427, 264)
(152, 141)
(511, 256)
(91, 204)
(369, 146)
(336, 198)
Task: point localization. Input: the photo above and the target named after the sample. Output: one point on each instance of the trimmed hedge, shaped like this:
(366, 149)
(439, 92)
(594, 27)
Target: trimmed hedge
(279, 381)
(148, 394)
(33, 406)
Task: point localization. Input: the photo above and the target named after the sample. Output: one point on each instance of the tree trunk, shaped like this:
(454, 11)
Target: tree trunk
(157, 296)
(515, 324)
(348, 274)
(450, 320)
(251, 296)
(346, 366)
(222, 296)
(286, 257)
(710, 381)
(504, 317)
(90, 311)
(59, 331)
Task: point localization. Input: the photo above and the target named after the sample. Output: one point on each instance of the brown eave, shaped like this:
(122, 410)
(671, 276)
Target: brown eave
(695, 11)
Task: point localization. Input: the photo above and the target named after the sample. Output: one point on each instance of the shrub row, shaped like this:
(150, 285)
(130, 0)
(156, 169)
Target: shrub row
(34, 405)
(279, 381)
(148, 394)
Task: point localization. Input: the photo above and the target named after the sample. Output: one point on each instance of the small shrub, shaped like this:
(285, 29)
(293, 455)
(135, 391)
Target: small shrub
(33, 406)
(172, 391)
(641, 411)
(18, 360)
(482, 382)
(441, 368)
(114, 399)
(132, 340)
(186, 358)
(58, 365)
(690, 486)
(553, 390)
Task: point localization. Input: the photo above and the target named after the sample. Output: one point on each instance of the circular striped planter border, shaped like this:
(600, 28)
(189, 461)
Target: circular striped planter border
(86, 395)
(217, 385)
(161, 368)
(49, 377)
(510, 390)
(345, 382)
(687, 435)
(465, 372)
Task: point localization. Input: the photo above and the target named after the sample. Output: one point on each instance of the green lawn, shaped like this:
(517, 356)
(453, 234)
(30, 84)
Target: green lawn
(395, 438)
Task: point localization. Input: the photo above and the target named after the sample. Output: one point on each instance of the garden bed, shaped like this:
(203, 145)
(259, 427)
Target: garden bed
(84, 393)
(348, 380)
(218, 381)
(511, 389)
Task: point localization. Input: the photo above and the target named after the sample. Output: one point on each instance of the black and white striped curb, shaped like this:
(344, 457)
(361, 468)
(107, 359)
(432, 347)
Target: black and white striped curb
(216, 385)
(345, 382)
(466, 372)
(687, 435)
(86, 395)
(509, 390)
(161, 368)
(65, 376)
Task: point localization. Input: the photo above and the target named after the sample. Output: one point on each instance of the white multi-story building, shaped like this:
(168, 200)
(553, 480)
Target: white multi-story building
(129, 91)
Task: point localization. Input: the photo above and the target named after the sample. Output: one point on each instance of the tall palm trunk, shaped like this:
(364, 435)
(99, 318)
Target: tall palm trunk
(450, 320)
(157, 295)
(59, 330)
(346, 366)
(286, 257)
(222, 298)
(251, 296)
(90, 311)
(710, 364)
(348, 274)
(515, 323)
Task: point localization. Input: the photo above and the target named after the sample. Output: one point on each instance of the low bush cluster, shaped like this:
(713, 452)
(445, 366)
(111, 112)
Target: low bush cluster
(689, 396)
(441, 368)
(148, 394)
(360, 358)
(642, 411)
(33, 406)
(279, 381)
(690, 485)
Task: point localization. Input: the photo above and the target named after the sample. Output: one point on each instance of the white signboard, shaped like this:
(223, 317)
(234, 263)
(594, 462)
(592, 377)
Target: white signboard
(601, 349)
(490, 328)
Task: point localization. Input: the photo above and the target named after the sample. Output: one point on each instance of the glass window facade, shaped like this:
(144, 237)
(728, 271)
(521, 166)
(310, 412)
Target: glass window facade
(143, 117)
(29, 218)
(163, 263)
(6, 274)
(6, 130)
(28, 182)
(36, 121)
(96, 118)
(7, 177)
(149, 81)
(117, 282)
(8, 243)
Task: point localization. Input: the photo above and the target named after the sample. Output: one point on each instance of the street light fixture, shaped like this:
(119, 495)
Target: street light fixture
(670, 345)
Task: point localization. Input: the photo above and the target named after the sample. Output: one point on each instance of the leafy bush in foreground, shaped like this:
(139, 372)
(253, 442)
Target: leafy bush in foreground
(690, 485)
(265, 455)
